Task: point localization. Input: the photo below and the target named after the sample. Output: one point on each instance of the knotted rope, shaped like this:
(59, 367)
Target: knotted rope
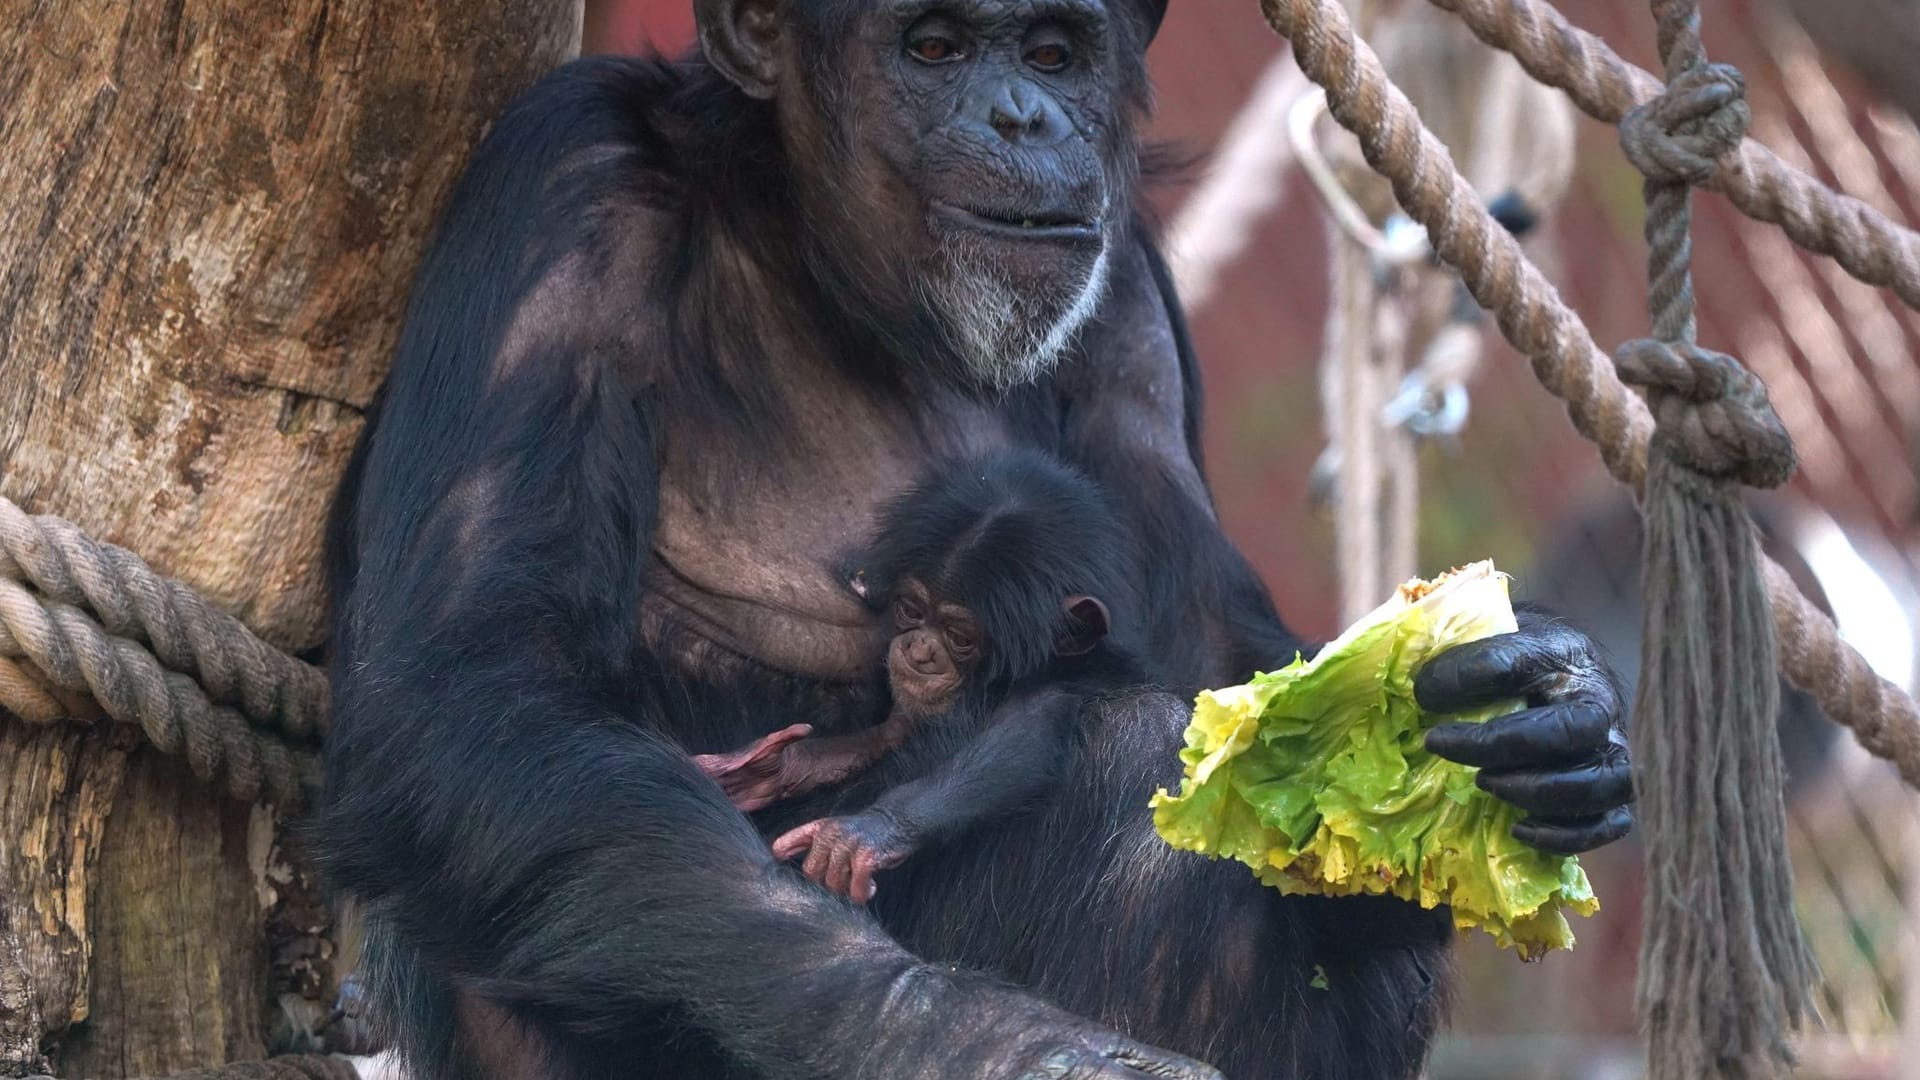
(1867, 244)
(1557, 344)
(1723, 968)
(78, 616)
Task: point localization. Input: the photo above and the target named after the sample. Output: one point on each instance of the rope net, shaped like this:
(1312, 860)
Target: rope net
(1724, 970)
(1563, 354)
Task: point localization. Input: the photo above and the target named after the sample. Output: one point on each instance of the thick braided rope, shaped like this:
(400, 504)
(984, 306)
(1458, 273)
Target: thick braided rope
(25, 693)
(1562, 352)
(186, 632)
(71, 651)
(1865, 242)
(1669, 198)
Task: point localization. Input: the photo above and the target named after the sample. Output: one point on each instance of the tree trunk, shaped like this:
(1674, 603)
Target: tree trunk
(209, 211)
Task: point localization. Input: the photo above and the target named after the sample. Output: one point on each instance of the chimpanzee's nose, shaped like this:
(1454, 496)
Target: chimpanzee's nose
(1022, 113)
(920, 651)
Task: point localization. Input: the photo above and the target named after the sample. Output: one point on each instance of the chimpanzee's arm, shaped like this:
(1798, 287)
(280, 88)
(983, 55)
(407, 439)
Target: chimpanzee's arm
(1133, 422)
(1016, 760)
(495, 796)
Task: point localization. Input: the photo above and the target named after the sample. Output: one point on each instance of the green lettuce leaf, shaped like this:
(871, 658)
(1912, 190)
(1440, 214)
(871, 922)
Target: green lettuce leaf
(1315, 776)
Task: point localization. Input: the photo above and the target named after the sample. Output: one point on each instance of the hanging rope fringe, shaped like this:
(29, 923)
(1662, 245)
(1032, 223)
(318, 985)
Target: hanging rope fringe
(77, 618)
(1723, 968)
(1557, 344)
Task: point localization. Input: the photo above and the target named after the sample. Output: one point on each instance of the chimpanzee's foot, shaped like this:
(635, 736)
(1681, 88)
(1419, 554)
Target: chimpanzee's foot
(759, 775)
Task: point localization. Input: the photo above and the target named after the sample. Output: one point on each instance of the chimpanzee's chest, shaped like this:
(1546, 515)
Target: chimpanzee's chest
(756, 546)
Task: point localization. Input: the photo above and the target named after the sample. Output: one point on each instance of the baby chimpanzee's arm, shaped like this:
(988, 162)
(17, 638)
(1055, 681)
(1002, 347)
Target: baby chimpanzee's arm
(1016, 760)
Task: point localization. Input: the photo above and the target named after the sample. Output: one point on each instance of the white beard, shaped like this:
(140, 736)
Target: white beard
(1005, 335)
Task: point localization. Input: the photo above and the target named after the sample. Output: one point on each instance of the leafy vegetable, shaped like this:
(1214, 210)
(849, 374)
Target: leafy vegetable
(1316, 777)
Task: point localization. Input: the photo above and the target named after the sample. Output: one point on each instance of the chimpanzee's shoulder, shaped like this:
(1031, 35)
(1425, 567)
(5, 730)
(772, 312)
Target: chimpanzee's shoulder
(604, 127)
(1133, 355)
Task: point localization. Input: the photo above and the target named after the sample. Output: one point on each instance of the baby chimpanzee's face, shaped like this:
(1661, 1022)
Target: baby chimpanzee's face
(937, 644)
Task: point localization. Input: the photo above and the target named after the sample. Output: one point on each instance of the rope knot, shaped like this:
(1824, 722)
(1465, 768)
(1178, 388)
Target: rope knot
(1712, 413)
(1680, 136)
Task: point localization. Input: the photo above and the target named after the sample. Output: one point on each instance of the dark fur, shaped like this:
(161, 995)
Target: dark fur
(1086, 869)
(551, 887)
(1010, 536)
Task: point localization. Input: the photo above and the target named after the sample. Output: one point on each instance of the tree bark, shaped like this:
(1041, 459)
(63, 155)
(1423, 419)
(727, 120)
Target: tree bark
(209, 212)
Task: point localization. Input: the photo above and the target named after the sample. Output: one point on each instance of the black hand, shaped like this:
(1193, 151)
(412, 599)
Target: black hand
(1564, 758)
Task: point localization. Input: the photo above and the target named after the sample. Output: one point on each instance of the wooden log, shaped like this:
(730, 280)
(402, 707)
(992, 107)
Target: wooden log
(209, 212)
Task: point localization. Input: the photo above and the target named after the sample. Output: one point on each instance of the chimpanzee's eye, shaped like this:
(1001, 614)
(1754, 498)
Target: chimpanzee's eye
(960, 641)
(1049, 57)
(908, 612)
(932, 41)
(936, 50)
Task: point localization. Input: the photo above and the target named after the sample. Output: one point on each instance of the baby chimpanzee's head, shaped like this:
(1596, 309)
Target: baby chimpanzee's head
(991, 569)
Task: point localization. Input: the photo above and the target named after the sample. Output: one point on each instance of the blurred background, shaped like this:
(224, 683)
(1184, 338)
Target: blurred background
(1308, 328)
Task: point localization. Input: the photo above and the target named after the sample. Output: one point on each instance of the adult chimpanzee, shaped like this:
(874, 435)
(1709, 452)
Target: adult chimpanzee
(684, 327)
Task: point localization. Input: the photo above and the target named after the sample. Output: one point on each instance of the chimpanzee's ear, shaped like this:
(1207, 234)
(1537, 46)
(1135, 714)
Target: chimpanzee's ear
(1087, 624)
(742, 41)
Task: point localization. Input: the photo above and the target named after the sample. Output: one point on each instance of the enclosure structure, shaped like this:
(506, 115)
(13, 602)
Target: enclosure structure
(1803, 344)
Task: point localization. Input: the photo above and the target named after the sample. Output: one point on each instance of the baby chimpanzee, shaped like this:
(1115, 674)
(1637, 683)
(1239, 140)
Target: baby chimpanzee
(1001, 575)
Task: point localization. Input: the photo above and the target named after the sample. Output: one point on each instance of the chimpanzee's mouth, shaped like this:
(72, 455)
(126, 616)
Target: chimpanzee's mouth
(1056, 226)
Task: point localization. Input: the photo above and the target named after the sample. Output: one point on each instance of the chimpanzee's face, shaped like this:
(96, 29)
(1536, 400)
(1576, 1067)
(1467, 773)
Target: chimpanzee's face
(937, 645)
(979, 154)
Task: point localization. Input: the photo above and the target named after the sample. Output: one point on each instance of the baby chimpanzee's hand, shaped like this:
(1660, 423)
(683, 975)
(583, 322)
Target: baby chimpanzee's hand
(844, 852)
(762, 774)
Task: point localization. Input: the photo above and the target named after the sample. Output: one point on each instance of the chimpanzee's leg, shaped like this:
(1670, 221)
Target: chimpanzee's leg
(1081, 900)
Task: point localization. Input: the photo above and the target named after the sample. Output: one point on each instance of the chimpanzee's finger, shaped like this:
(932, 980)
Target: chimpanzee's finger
(722, 767)
(790, 734)
(840, 869)
(1579, 792)
(794, 841)
(1518, 665)
(824, 852)
(1575, 835)
(767, 751)
(861, 890)
(1566, 733)
(819, 857)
